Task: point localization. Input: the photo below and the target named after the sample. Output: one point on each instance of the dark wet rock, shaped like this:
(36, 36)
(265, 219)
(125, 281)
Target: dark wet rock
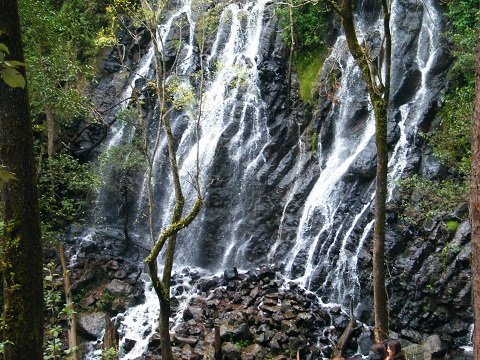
(408, 87)
(435, 346)
(206, 284)
(242, 333)
(365, 342)
(431, 167)
(230, 351)
(365, 163)
(154, 342)
(128, 345)
(91, 325)
(231, 274)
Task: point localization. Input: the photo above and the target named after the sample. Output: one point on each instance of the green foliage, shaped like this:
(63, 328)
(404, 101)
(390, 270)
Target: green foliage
(463, 17)
(5, 176)
(452, 225)
(106, 302)
(312, 25)
(56, 315)
(110, 354)
(307, 65)
(241, 344)
(425, 199)
(8, 69)
(64, 186)
(58, 40)
(452, 142)
(180, 93)
(449, 251)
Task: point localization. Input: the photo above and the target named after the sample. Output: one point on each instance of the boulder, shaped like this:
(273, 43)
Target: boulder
(435, 347)
(91, 325)
(230, 351)
(254, 352)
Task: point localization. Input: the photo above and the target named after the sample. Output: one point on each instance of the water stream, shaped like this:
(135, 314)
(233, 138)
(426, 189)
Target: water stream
(233, 119)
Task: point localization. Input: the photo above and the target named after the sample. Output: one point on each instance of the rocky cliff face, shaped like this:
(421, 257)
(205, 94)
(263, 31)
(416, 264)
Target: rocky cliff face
(274, 198)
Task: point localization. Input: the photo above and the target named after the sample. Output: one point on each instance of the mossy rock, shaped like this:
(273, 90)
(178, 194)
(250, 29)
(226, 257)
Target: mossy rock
(415, 352)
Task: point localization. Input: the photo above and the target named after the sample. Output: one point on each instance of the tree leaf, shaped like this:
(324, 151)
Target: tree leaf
(15, 63)
(4, 48)
(13, 78)
(5, 176)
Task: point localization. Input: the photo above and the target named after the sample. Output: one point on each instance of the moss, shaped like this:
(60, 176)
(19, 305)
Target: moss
(307, 66)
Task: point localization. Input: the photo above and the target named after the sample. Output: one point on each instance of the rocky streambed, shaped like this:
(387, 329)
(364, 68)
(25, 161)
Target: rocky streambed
(257, 314)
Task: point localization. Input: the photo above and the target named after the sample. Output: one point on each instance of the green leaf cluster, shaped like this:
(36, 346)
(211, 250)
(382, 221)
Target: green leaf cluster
(312, 27)
(424, 199)
(311, 23)
(180, 93)
(8, 69)
(110, 354)
(64, 185)
(308, 65)
(5, 176)
(56, 313)
(59, 41)
(452, 141)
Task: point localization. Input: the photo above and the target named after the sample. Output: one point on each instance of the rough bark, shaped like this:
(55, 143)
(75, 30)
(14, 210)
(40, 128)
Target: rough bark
(21, 241)
(475, 208)
(218, 344)
(171, 245)
(379, 96)
(52, 132)
(344, 339)
(110, 338)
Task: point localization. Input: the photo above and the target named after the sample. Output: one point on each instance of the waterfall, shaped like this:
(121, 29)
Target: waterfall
(320, 249)
(325, 230)
(231, 104)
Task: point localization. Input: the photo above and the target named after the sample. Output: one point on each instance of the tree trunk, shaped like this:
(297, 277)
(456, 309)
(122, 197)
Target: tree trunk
(110, 338)
(21, 242)
(380, 302)
(177, 222)
(52, 132)
(72, 319)
(343, 341)
(217, 344)
(172, 241)
(380, 103)
(475, 209)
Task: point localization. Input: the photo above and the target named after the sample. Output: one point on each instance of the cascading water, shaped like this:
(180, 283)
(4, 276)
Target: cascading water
(235, 145)
(325, 230)
(231, 103)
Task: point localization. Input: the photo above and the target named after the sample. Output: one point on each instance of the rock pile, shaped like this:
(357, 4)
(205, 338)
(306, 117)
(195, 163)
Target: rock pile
(258, 315)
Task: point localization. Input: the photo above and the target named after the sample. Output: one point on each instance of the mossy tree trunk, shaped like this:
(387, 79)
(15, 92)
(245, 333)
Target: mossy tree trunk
(179, 220)
(21, 242)
(379, 95)
(475, 207)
